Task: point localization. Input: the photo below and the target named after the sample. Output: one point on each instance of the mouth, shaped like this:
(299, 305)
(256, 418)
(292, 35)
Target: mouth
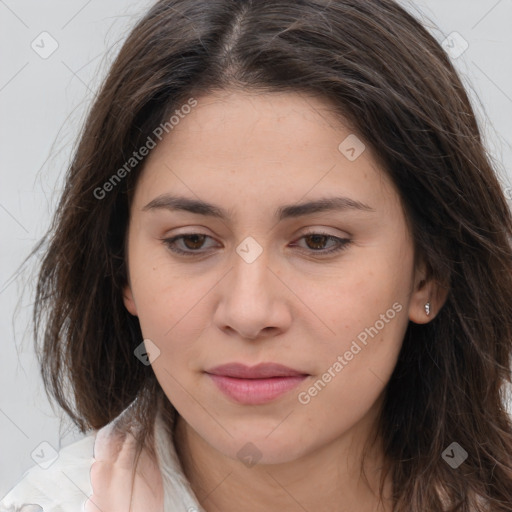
(255, 385)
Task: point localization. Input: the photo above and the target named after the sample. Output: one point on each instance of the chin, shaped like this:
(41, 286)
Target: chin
(256, 448)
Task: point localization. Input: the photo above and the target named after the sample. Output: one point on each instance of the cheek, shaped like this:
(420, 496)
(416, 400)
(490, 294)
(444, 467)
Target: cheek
(164, 293)
(174, 314)
(354, 373)
(366, 307)
(361, 295)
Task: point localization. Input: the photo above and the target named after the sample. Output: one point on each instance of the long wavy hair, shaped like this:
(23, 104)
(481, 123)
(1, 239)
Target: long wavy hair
(386, 75)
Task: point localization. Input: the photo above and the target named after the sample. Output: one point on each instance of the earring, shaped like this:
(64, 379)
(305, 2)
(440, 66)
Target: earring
(427, 308)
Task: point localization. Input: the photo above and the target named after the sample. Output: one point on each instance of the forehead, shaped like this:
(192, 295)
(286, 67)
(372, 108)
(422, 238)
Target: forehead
(262, 150)
(248, 119)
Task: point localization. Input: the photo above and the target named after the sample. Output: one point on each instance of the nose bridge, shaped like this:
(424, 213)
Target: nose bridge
(248, 303)
(251, 274)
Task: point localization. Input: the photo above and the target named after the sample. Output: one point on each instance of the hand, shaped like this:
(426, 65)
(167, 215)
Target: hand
(111, 477)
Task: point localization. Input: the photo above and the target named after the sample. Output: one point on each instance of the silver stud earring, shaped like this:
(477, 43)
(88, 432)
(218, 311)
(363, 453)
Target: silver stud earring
(427, 308)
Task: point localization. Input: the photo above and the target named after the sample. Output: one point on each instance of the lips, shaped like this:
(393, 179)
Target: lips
(260, 371)
(255, 385)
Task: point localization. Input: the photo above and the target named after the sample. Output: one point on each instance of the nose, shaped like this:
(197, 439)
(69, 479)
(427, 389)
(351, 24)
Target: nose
(254, 300)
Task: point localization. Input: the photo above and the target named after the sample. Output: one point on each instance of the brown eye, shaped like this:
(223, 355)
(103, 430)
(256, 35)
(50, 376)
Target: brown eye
(191, 243)
(316, 243)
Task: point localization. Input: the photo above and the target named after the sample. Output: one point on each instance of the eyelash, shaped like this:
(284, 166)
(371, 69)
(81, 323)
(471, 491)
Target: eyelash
(343, 243)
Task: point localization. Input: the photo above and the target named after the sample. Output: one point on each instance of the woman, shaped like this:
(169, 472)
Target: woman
(279, 277)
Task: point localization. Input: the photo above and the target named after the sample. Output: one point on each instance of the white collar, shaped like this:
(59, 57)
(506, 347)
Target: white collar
(178, 495)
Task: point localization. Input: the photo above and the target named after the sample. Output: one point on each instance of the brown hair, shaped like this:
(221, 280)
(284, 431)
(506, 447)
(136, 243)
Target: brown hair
(388, 77)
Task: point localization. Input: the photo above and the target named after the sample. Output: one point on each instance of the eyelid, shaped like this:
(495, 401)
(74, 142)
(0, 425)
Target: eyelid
(323, 231)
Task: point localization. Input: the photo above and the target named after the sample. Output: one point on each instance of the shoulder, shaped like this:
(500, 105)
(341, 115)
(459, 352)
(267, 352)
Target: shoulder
(114, 484)
(97, 474)
(93, 474)
(63, 486)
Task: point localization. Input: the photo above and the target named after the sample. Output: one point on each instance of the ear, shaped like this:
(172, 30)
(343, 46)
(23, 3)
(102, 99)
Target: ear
(426, 290)
(129, 303)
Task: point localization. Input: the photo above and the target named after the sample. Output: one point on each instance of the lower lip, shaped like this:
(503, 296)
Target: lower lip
(255, 391)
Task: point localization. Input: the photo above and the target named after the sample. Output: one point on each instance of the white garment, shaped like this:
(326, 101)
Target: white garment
(68, 484)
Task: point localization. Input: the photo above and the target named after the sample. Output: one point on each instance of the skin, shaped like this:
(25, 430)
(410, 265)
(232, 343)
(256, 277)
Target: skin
(250, 154)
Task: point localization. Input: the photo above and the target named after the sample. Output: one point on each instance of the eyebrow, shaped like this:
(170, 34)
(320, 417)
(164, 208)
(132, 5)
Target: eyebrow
(172, 202)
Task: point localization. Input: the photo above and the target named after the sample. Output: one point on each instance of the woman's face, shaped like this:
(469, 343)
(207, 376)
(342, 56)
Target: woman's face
(268, 277)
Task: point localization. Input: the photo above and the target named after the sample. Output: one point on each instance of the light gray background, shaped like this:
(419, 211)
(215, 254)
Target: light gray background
(42, 105)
